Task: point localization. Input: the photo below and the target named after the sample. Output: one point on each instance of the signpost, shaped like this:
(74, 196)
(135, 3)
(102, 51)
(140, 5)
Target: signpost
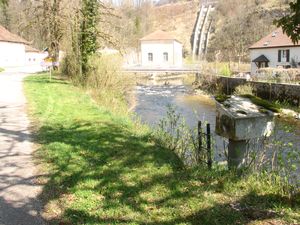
(49, 63)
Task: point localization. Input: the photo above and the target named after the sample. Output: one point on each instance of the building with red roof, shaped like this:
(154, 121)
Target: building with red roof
(16, 51)
(274, 50)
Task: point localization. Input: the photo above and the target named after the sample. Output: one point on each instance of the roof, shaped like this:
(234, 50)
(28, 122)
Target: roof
(29, 48)
(275, 39)
(7, 36)
(261, 58)
(159, 35)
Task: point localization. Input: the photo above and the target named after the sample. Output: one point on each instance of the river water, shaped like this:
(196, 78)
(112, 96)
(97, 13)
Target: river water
(153, 98)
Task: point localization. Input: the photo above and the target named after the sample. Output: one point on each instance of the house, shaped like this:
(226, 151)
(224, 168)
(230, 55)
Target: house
(275, 50)
(34, 56)
(12, 49)
(160, 49)
(17, 52)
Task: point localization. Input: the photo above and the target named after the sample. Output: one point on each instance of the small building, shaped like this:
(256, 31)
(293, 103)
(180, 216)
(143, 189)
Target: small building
(17, 52)
(276, 50)
(160, 49)
(12, 49)
(34, 56)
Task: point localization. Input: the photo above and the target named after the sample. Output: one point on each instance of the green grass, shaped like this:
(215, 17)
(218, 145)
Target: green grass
(102, 168)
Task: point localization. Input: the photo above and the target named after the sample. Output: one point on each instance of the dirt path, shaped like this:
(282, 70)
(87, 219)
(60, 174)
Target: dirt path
(18, 192)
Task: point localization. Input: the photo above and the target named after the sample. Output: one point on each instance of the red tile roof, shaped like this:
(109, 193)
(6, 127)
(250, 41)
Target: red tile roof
(7, 36)
(158, 35)
(276, 39)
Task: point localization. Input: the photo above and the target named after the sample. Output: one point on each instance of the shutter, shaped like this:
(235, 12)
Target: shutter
(287, 55)
(279, 55)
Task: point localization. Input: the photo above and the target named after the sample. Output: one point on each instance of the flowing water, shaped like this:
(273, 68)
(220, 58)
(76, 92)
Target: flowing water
(153, 98)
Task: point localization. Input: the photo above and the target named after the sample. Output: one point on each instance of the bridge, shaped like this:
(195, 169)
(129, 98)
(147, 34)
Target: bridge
(157, 70)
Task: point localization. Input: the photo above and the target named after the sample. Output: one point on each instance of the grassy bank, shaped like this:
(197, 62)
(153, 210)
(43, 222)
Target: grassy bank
(105, 169)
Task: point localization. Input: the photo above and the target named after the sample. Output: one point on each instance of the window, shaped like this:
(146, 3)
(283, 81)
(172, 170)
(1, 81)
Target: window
(166, 57)
(284, 55)
(150, 57)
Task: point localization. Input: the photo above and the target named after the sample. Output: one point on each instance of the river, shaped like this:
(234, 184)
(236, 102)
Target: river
(153, 98)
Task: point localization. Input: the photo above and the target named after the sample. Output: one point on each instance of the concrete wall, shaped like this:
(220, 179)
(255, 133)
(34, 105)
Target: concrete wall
(12, 54)
(269, 91)
(157, 48)
(272, 55)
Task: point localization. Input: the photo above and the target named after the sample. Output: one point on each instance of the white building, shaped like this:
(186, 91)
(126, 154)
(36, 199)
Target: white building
(160, 49)
(16, 52)
(34, 57)
(275, 50)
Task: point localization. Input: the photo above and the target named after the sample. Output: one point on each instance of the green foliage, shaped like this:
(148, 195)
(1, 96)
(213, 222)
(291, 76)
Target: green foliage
(3, 2)
(1, 69)
(107, 83)
(88, 33)
(225, 71)
(291, 22)
(104, 169)
(245, 89)
(222, 98)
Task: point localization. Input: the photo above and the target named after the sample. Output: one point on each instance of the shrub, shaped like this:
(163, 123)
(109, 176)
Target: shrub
(108, 84)
(225, 71)
(245, 89)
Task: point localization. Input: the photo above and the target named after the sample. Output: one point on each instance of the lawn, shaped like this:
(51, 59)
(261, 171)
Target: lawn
(103, 168)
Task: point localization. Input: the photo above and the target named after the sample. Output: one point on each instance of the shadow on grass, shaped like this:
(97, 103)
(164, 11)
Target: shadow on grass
(106, 174)
(107, 164)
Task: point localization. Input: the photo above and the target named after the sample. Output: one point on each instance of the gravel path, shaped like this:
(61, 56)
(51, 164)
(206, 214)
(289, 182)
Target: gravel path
(18, 192)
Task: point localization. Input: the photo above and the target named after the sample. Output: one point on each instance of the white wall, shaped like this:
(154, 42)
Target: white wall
(272, 55)
(157, 48)
(34, 58)
(12, 54)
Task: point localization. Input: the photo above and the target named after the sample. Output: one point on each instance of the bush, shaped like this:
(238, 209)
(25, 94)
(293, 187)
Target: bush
(108, 84)
(70, 67)
(245, 89)
(278, 75)
(225, 71)
(1, 69)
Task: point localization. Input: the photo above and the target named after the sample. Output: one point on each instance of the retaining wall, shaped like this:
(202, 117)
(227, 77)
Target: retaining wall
(270, 91)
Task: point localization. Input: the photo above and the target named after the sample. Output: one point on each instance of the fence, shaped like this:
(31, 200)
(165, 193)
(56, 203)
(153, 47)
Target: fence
(201, 145)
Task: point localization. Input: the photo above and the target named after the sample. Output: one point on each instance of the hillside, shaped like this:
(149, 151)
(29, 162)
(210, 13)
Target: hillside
(256, 19)
(178, 19)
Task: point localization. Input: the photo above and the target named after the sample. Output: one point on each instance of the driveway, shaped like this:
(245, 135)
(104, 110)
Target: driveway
(18, 192)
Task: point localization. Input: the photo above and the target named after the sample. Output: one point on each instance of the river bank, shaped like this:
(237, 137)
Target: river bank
(104, 168)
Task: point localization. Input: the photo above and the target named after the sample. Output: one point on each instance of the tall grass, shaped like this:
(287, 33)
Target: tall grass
(108, 85)
(104, 81)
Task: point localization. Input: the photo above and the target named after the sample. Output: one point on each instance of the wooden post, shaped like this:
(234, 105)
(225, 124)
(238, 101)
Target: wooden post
(50, 73)
(208, 141)
(199, 141)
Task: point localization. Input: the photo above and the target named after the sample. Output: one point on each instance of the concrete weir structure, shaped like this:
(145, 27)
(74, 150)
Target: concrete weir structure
(239, 120)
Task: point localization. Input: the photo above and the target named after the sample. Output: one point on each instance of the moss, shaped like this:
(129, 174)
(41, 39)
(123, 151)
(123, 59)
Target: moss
(221, 98)
(263, 103)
